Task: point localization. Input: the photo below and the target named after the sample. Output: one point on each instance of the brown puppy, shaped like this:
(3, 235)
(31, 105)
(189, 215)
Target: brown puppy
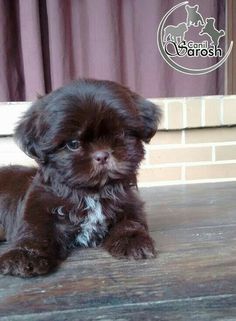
(87, 139)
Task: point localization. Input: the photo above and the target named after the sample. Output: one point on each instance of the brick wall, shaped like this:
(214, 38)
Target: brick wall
(196, 142)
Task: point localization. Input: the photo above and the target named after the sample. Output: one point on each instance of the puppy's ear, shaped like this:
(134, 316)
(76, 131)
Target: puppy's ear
(150, 115)
(27, 135)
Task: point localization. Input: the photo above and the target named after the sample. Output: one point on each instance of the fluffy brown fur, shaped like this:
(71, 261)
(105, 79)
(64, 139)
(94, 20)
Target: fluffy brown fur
(87, 138)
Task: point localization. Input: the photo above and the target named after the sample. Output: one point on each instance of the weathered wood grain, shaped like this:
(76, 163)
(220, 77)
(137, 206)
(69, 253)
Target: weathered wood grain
(188, 206)
(197, 309)
(193, 278)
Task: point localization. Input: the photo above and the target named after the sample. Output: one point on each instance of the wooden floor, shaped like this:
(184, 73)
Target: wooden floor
(193, 278)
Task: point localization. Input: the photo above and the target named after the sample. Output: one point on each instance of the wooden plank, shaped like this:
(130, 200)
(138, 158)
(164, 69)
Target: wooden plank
(193, 278)
(220, 308)
(186, 206)
(91, 278)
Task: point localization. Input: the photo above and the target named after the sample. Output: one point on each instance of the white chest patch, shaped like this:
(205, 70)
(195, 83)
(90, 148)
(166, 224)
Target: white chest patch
(94, 226)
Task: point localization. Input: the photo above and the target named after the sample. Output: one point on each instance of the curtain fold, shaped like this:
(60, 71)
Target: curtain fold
(47, 43)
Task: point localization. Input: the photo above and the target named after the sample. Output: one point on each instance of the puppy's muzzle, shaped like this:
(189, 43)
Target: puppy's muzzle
(101, 157)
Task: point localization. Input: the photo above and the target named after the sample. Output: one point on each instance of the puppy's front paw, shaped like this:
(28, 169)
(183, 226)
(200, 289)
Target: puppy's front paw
(23, 263)
(137, 246)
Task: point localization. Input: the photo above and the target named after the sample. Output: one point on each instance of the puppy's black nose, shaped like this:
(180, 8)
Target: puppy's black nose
(101, 157)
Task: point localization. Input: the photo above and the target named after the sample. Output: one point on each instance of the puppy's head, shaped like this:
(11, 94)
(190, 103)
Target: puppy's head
(89, 133)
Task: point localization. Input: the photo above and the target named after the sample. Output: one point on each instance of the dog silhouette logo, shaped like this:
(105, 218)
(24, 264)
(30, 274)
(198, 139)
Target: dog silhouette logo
(193, 16)
(175, 33)
(176, 40)
(210, 29)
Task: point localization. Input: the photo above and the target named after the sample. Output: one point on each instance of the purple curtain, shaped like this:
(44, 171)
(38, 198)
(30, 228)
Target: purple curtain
(47, 43)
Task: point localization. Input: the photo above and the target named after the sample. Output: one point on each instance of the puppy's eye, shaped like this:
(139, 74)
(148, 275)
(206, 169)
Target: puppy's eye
(73, 145)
